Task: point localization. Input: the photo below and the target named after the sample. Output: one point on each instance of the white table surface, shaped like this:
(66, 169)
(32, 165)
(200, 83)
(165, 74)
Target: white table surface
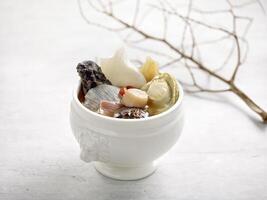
(222, 153)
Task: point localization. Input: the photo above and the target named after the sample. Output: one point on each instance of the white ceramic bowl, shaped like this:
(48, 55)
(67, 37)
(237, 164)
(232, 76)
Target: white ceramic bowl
(125, 149)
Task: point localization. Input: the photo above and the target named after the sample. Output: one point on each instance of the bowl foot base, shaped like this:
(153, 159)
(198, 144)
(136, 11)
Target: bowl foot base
(125, 173)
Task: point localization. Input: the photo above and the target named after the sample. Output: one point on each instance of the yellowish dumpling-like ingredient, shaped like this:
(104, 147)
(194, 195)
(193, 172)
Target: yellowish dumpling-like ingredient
(149, 69)
(162, 92)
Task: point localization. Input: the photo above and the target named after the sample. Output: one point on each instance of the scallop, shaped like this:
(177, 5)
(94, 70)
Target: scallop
(134, 98)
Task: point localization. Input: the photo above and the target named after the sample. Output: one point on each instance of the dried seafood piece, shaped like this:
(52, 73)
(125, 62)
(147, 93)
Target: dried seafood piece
(108, 108)
(131, 113)
(91, 75)
(102, 92)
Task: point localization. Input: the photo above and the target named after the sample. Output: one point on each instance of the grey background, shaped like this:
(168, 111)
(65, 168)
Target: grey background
(222, 153)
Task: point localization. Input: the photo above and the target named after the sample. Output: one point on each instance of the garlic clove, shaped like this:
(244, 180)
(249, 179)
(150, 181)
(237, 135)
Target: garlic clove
(134, 98)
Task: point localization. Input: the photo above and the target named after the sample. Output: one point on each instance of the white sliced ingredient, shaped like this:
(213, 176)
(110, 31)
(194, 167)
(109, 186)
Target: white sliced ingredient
(121, 72)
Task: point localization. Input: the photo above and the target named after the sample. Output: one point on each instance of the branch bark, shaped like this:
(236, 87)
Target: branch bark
(249, 102)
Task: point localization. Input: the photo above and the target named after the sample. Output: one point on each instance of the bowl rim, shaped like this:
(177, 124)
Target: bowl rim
(170, 110)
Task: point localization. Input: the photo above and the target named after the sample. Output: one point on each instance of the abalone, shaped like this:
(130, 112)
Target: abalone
(162, 92)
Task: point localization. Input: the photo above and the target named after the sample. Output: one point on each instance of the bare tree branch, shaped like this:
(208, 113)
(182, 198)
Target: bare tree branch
(192, 60)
